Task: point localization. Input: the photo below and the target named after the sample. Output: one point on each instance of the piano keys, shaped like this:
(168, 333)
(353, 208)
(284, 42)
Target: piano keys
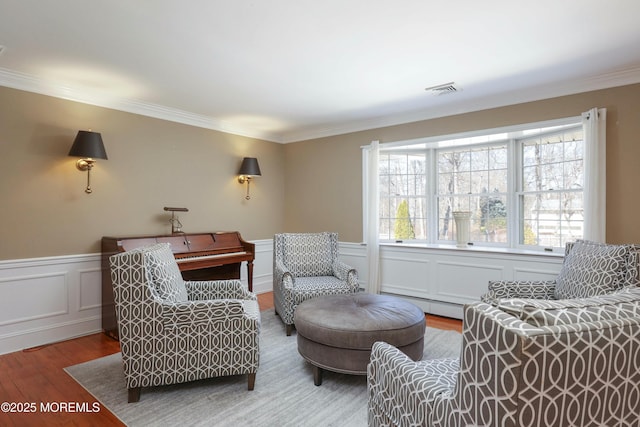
(200, 256)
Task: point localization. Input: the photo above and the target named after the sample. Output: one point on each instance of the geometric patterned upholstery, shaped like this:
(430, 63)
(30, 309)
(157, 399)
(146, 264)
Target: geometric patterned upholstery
(309, 255)
(589, 269)
(511, 373)
(622, 303)
(165, 276)
(165, 339)
(306, 265)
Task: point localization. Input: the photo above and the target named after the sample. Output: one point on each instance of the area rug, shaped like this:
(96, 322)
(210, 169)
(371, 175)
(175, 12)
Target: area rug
(284, 393)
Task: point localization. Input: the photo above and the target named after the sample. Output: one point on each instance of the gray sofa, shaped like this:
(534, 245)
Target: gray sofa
(561, 363)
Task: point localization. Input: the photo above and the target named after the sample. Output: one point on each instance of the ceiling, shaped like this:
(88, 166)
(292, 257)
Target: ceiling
(290, 70)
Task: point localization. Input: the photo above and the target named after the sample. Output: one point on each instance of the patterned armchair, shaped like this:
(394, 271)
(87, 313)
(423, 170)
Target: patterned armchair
(589, 269)
(174, 331)
(574, 365)
(306, 265)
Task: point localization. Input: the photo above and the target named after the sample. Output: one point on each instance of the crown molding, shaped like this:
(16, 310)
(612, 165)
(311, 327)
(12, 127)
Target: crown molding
(603, 81)
(30, 83)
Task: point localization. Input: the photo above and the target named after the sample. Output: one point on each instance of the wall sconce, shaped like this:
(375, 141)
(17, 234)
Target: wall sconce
(89, 146)
(248, 169)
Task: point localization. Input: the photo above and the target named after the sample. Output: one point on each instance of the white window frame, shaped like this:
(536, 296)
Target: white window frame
(431, 143)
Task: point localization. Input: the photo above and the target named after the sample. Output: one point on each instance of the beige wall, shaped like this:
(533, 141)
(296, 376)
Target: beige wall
(306, 186)
(152, 163)
(324, 190)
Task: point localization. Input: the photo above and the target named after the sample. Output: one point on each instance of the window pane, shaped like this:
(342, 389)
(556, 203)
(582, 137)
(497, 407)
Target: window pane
(551, 176)
(480, 160)
(445, 183)
(397, 163)
(552, 179)
(462, 182)
(531, 178)
(552, 219)
(498, 157)
(573, 176)
(491, 223)
(498, 181)
(479, 182)
(402, 196)
(472, 177)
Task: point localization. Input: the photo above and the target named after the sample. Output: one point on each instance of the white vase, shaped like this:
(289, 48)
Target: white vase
(462, 227)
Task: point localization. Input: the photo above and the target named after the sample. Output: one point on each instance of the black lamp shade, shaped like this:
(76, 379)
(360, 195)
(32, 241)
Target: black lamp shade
(250, 167)
(88, 144)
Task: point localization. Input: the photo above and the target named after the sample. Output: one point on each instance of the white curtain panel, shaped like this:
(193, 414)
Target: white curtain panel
(372, 234)
(594, 123)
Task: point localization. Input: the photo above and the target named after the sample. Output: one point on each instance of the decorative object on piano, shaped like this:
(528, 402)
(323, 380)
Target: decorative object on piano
(176, 225)
(248, 169)
(89, 146)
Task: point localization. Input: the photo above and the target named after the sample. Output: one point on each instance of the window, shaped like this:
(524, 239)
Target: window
(551, 188)
(523, 186)
(403, 196)
(474, 179)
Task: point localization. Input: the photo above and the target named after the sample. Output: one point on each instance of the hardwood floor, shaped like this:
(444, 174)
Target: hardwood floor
(36, 376)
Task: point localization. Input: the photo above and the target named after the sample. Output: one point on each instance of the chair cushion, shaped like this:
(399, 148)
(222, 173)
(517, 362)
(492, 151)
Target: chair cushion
(309, 254)
(164, 273)
(619, 305)
(631, 269)
(592, 269)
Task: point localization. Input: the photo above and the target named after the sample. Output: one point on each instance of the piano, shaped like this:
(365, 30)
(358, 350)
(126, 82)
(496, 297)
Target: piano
(200, 256)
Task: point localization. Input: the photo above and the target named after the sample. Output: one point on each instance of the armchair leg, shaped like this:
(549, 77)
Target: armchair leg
(134, 394)
(289, 329)
(252, 380)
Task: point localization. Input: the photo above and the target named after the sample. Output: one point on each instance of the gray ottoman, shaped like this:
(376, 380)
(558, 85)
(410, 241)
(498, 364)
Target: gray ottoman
(336, 332)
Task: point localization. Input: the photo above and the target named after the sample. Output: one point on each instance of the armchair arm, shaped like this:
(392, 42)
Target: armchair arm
(192, 314)
(533, 289)
(282, 275)
(345, 272)
(404, 391)
(217, 289)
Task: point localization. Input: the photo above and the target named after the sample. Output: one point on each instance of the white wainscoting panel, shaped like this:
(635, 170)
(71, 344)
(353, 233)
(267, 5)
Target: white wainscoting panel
(262, 267)
(441, 280)
(452, 279)
(44, 300)
(89, 293)
(33, 297)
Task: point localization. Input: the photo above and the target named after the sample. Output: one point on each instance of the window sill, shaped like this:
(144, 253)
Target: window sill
(474, 249)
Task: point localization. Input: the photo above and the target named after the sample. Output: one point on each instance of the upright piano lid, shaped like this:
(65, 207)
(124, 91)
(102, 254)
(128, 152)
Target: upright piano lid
(223, 242)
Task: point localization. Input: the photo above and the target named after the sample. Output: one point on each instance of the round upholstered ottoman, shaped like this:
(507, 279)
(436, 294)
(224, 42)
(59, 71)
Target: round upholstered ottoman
(336, 332)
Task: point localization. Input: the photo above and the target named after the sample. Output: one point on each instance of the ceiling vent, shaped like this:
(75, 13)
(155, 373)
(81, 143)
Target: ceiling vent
(443, 89)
